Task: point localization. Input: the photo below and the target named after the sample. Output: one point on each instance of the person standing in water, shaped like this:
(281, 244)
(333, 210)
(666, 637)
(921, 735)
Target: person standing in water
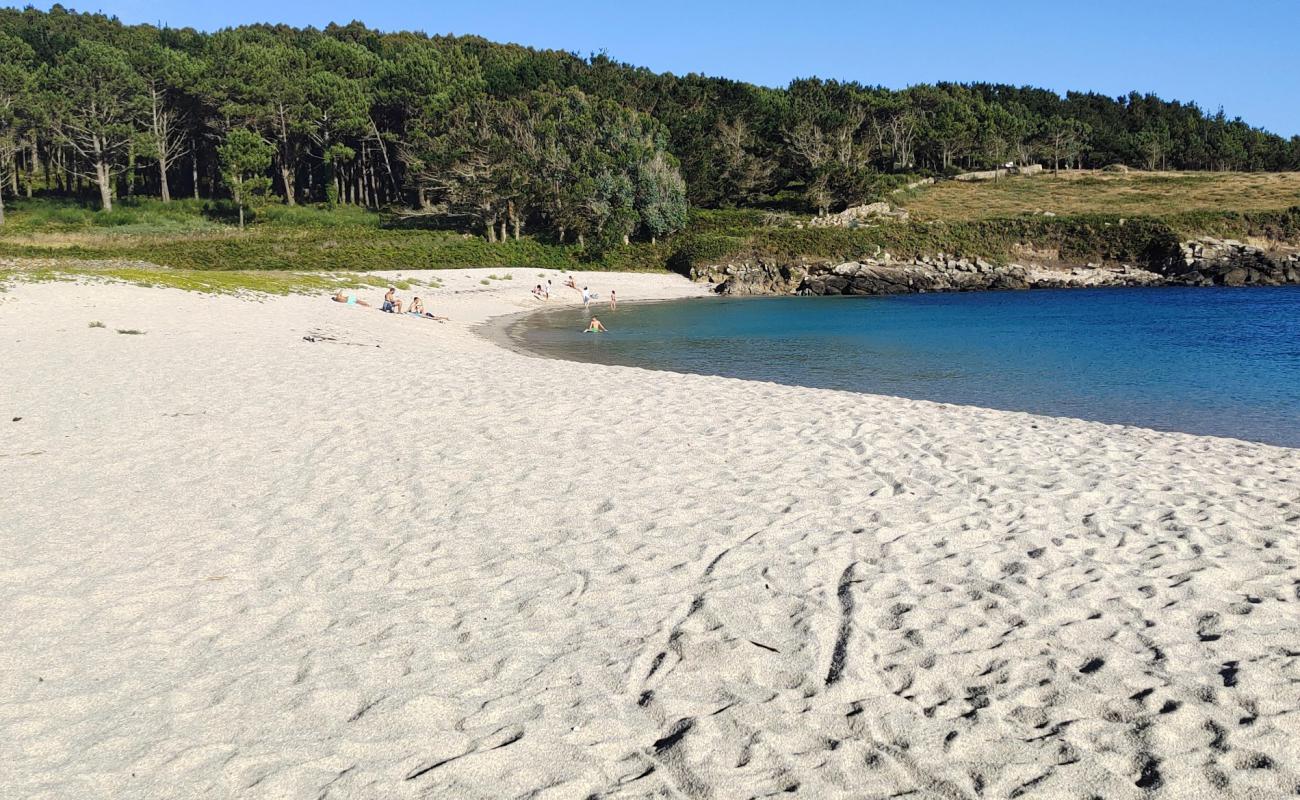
(596, 327)
(613, 301)
(586, 297)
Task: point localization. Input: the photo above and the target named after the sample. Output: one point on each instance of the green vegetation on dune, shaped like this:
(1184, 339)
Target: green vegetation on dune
(206, 281)
(365, 251)
(199, 236)
(146, 216)
(200, 248)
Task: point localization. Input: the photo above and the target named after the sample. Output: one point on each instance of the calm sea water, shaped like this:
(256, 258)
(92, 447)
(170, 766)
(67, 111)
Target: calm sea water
(1224, 362)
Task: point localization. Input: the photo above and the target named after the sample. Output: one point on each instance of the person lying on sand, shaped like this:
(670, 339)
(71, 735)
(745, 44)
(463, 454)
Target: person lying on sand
(391, 303)
(596, 327)
(417, 308)
(350, 299)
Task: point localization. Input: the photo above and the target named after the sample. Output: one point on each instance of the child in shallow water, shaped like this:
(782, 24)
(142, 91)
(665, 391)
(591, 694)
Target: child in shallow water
(595, 326)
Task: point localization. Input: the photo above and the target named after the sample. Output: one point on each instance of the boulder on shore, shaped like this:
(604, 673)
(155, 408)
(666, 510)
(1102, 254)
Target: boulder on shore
(1227, 262)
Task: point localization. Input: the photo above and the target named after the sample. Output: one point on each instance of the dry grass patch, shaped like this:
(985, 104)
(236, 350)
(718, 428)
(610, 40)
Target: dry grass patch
(1096, 192)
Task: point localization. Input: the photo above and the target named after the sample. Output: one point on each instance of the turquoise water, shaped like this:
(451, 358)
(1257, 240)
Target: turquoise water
(1216, 361)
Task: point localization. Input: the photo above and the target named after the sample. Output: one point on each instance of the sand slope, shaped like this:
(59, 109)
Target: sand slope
(409, 563)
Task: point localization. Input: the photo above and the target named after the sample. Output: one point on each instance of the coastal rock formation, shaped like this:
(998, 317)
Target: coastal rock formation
(1202, 262)
(756, 277)
(1227, 262)
(884, 275)
(854, 216)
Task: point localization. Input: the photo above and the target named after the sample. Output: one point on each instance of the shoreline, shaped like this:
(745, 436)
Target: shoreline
(401, 560)
(511, 332)
(498, 329)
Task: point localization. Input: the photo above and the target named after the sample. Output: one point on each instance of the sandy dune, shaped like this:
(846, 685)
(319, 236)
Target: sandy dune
(410, 563)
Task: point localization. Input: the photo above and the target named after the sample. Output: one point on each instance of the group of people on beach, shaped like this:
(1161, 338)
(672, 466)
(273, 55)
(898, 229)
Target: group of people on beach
(392, 304)
(543, 292)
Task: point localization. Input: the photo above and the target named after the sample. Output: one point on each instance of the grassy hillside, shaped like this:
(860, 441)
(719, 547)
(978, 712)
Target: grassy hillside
(1134, 218)
(1155, 194)
(201, 236)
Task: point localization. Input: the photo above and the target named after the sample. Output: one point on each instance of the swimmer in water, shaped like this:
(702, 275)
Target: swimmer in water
(596, 327)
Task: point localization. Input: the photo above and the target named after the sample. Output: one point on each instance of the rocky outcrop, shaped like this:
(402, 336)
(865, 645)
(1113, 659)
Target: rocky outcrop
(876, 277)
(859, 215)
(1000, 172)
(884, 275)
(1227, 262)
(914, 185)
(757, 277)
(1200, 262)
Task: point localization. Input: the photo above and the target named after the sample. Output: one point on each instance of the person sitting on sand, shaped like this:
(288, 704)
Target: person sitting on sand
(391, 303)
(571, 283)
(350, 299)
(417, 308)
(538, 292)
(596, 327)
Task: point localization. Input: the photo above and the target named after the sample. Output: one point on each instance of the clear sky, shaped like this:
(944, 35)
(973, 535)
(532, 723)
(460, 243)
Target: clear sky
(1243, 55)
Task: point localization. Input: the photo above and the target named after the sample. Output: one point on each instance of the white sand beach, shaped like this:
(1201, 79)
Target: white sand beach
(403, 561)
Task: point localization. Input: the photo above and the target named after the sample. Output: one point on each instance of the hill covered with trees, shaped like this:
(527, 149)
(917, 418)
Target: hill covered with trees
(509, 141)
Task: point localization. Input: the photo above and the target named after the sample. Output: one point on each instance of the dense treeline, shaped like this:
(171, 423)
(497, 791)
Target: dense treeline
(508, 140)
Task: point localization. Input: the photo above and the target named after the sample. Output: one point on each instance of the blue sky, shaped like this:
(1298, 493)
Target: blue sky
(1243, 56)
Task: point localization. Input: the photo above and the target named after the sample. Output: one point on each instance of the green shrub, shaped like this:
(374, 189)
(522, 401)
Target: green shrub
(188, 235)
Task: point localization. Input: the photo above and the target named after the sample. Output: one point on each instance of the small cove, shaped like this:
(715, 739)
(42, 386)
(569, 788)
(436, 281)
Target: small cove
(1210, 361)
